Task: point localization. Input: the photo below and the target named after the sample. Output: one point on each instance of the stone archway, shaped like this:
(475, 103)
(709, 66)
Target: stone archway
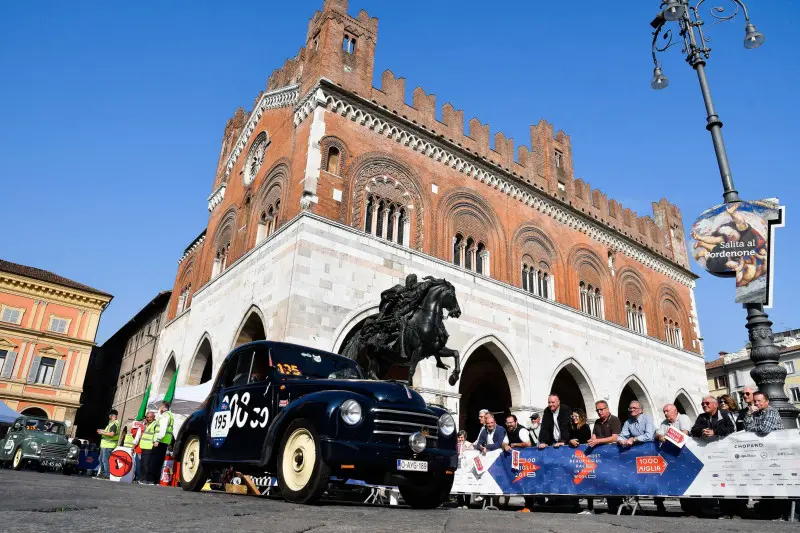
(251, 329)
(684, 404)
(166, 377)
(489, 380)
(38, 412)
(200, 371)
(573, 387)
(633, 390)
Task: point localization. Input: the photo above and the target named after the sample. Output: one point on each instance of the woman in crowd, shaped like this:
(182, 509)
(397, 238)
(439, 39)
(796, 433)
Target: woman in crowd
(579, 431)
(727, 403)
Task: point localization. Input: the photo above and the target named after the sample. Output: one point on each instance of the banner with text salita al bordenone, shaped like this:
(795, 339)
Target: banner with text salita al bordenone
(737, 240)
(742, 464)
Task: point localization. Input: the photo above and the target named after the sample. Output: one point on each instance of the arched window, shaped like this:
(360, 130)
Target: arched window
(349, 44)
(221, 259)
(524, 277)
(480, 258)
(635, 318)
(672, 333)
(333, 160)
(469, 253)
(268, 221)
(183, 298)
(458, 245)
(386, 219)
(591, 300)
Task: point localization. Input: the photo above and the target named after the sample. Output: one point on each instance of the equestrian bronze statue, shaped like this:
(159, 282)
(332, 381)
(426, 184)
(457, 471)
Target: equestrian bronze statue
(408, 327)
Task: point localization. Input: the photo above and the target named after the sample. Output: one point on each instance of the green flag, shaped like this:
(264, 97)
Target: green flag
(170, 394)
(143, 407)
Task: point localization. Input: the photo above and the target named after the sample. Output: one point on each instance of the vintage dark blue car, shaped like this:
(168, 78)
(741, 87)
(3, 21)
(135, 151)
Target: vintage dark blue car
(307, 415)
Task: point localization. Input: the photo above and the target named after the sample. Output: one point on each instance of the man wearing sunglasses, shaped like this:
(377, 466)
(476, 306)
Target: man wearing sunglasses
(747, 409)
(712, 423)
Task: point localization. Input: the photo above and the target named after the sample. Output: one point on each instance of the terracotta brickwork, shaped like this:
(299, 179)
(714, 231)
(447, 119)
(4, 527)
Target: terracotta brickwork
(334, 142)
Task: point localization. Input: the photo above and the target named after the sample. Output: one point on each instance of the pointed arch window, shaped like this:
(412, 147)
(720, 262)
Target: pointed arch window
(635, 318)
(591, 301)
(387, 220)
(268, 221)
(672, 333)
(538, 280)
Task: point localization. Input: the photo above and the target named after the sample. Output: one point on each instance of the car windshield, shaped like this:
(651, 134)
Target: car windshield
(32, 424)
(302, 362)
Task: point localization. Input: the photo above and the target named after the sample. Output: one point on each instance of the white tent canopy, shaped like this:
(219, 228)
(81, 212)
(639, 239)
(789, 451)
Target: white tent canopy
(7, 414)
(186, 401)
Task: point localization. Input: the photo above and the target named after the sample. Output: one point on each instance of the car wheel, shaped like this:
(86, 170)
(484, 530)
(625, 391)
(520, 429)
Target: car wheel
(302, 473)
(193, 473)
(17, 462)
(427, 495)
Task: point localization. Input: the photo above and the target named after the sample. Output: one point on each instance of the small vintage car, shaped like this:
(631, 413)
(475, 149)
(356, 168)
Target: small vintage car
(306, 415)
(39, 441)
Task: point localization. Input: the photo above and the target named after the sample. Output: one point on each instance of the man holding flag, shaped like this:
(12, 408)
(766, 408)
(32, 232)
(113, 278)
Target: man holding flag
(157, 437)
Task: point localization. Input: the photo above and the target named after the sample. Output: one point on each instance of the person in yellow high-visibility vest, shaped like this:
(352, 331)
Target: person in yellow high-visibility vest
(108, 441)
(146, 444)
(161, 435)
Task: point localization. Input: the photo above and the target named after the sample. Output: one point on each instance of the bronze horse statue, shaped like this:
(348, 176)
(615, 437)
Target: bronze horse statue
(408, 329)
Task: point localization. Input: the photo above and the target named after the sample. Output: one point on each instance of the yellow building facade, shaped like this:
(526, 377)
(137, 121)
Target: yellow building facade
(48, 325)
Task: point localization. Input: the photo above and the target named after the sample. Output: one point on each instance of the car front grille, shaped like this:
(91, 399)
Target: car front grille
(393, 426)
(54, 450)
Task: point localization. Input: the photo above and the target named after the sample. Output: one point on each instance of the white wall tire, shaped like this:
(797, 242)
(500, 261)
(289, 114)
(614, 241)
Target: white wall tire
(302, 473)
(193, 473)
(17, 462)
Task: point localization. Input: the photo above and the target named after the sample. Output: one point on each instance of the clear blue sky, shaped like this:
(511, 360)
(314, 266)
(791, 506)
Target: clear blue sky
(111, 117)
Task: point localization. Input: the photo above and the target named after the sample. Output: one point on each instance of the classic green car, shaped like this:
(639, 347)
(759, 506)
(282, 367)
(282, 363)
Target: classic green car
(39, 441)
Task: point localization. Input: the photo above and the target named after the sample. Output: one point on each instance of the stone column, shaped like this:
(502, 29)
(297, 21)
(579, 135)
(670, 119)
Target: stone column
(487, 271)
(406, 231)
(385, 226)
(395, 225)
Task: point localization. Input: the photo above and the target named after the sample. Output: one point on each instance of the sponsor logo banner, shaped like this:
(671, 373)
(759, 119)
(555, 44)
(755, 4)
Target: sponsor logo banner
(721, 467)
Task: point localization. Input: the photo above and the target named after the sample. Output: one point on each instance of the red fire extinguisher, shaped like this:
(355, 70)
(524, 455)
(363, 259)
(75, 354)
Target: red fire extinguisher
(166, 470)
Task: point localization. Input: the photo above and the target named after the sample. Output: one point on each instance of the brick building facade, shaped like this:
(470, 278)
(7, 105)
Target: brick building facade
(557, 278)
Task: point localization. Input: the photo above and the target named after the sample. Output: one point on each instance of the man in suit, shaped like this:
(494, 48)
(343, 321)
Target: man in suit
(492, 438)
(555, 423)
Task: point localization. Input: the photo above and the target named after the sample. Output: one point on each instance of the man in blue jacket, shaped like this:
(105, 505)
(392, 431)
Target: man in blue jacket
(492, 437)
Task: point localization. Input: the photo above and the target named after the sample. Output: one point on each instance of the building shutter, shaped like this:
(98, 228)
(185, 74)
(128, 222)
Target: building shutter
(34, 368)
(59, 369)
(8, 366)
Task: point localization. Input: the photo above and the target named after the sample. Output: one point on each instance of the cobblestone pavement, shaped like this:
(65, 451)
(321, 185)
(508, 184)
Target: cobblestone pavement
(30, 501)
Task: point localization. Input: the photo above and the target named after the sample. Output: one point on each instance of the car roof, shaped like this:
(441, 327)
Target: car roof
(286, 344)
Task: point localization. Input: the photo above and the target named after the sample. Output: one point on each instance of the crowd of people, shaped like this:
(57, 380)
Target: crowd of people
(148, 441)
(561, 426)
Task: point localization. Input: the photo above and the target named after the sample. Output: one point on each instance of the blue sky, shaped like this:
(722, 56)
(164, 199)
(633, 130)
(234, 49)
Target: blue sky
(112, 116)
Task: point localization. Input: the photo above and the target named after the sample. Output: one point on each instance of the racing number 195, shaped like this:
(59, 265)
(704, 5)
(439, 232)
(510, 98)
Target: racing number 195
(291, 370)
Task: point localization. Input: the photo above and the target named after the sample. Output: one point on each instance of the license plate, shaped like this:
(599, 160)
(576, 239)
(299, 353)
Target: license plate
(412, 466)
(49, 463)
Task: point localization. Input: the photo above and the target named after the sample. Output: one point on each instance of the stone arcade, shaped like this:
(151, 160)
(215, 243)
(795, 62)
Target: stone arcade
(331, 191)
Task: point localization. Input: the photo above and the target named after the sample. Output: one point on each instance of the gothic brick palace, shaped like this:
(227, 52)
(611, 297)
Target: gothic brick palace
(331, 190)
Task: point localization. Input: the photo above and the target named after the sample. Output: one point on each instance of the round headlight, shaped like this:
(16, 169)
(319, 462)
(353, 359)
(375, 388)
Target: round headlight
(417, 442)
(73, 451)
(351, 412)
(34, 445)
(446, 425)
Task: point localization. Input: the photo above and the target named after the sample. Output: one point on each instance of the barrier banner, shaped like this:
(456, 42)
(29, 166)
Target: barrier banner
(742, 464)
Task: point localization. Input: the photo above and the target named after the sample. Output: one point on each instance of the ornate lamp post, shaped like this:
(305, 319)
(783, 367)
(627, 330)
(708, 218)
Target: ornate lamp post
(768, 375)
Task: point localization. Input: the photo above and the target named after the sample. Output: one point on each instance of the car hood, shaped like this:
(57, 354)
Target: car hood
(383, 392)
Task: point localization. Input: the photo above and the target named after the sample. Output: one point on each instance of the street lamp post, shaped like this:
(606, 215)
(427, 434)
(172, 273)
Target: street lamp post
(768, 375)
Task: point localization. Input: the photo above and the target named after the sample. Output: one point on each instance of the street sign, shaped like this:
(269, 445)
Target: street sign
(735, 240)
